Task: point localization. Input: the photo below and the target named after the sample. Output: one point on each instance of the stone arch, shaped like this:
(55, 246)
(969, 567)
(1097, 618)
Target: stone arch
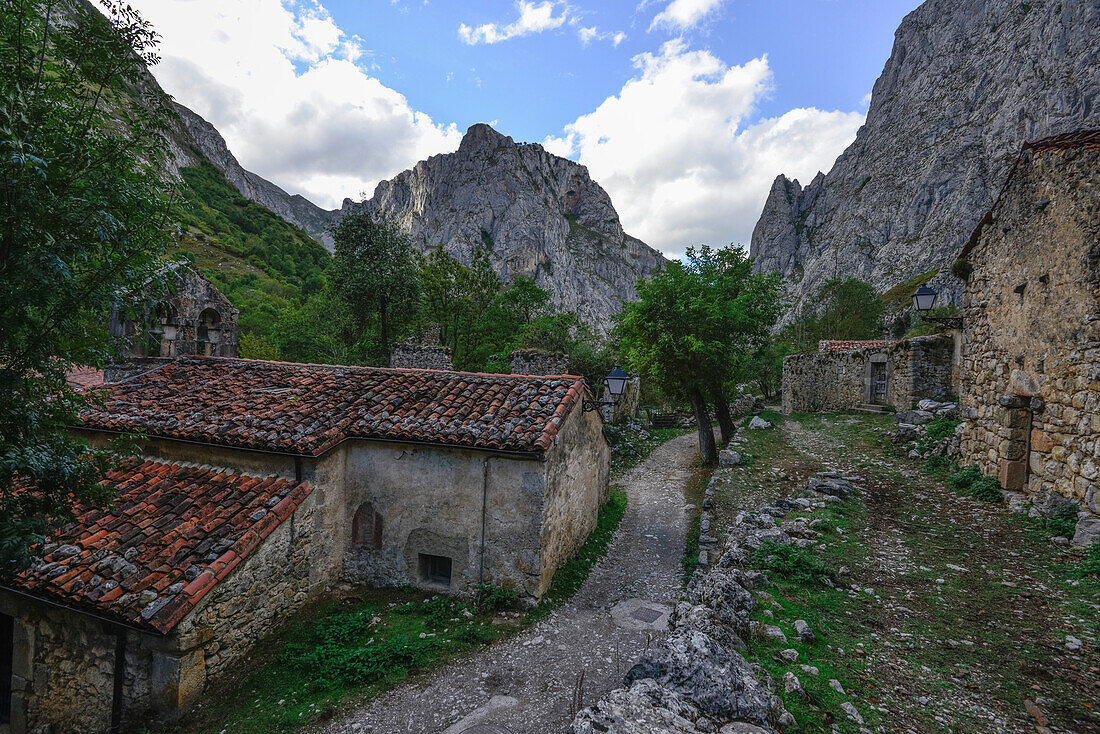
(208, 331)
(366, 527)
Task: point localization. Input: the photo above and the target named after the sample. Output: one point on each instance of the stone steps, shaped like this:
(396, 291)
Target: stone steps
(869, 408)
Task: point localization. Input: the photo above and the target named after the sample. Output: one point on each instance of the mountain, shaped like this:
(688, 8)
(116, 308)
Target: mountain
(539, 216)
(197, 140)
(967, 83)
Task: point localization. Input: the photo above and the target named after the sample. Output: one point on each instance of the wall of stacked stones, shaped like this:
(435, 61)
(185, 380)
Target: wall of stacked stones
(1032, 333)
(918, 368)
(419, 357)
(576, 485)
(63, 667)
(257, 596)
(536, 362)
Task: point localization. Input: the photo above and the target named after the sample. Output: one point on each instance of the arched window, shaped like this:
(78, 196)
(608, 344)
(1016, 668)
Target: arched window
(209, 331)
(366, 527)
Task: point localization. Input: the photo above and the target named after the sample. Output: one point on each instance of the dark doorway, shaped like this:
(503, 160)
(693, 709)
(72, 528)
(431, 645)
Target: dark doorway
(435, 569)
(7, 651)
(878, 383)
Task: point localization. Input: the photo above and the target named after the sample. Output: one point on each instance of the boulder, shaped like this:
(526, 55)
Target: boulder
(758, 423)
(802, 629)
(728, 457)
(644, 708)
(718, 680)
(1088, 530)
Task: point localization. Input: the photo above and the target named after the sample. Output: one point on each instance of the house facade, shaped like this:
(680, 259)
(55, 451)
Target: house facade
(1031, 315)
(260, 485)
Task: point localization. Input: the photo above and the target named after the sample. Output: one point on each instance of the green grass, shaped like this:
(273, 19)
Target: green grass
(694, 492)
(795, 564)
(262, 263)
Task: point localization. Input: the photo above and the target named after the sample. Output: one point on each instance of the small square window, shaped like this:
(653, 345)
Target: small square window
(435, 569)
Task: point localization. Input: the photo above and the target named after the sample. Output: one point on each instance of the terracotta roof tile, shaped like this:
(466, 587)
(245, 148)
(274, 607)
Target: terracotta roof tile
(206, 524)
(307, 409)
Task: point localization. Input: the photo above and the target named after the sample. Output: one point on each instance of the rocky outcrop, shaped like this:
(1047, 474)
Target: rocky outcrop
(538, 215)
(966, 85)
(197, 139)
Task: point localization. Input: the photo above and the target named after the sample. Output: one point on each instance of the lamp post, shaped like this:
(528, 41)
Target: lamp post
(616, 385)
(923, 301)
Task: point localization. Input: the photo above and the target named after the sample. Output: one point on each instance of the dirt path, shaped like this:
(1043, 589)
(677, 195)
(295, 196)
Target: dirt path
(968, 616)
(527, 684)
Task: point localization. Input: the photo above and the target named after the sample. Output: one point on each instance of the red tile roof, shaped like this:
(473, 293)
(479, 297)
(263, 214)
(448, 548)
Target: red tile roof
(307, 409)
(81, 376)
(172, 534)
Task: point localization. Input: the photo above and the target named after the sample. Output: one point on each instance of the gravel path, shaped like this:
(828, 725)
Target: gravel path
(528, 684)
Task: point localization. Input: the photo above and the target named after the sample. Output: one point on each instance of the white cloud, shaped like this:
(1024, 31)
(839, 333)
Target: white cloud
(674, 151)
(683, 14)
(289, 91)
(533, 18)
(591, 33)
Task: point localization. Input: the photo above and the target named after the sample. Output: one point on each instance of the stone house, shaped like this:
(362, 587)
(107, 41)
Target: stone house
(1031, 331)
(190, 317)
(259, 486)
(874, 375)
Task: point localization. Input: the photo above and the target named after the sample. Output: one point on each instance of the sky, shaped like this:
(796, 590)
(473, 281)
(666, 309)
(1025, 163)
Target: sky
(683, 110)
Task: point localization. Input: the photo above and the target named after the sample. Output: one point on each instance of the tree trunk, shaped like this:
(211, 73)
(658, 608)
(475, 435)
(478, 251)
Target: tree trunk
(722, 410)
(707, 449)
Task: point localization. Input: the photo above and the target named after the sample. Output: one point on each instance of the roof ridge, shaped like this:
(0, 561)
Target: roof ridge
(198, 358)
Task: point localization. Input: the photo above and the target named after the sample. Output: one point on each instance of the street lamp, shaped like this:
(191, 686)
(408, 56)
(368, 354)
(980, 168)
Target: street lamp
(616, 385)
(923, 301)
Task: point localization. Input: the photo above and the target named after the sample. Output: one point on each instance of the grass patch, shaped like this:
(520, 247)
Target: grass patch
(1090, 566)
(987, 489)
(795, 564)
(570, 575)
(1062, 521)
(694, 492)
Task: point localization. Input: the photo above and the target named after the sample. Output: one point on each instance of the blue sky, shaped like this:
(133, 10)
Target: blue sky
(684, 110)
(823, 53)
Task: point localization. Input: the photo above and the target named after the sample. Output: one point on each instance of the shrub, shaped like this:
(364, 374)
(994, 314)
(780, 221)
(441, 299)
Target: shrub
(939, 464)
(966, 478)
(792, 563)
(492, 599)
(1062, 521)
(987, 488)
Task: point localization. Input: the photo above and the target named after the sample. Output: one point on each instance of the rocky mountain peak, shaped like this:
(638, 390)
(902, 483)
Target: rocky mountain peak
(947, 117)
(481, 136)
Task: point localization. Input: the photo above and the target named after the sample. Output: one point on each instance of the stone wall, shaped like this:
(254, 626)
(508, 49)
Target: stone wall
(421, 357)
(413, 500)
(1031, 305)
(536, 362)
(576, 485)
(915, 369)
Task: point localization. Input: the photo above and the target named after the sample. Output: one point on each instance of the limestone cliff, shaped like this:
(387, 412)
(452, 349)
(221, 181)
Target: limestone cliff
(968, 82)
(539, 215)
(194, 135)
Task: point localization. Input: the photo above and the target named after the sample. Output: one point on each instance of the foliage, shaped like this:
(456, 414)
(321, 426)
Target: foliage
(936, 430)
(920, 324)
(263, 264)
(841, 309)
(987, 489)
(1062, 521)
(374, 279)
(1090, 565)
(792, 563)
(939, 465)
(84, 226)
(254, 346)
(693, 320)
(631, 444)
(571, 574)
(492, 599)
(966, 478)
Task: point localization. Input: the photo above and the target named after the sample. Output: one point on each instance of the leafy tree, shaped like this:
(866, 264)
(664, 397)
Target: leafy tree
(691, 322)
(83, 226)
(373, 276)
(849, 309)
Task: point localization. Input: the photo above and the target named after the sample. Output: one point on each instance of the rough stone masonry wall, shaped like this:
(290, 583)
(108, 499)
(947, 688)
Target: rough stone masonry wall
(918, 368)
(261, 593)
(576, 485)
(63, 669)
(536, 362)
(419, 357)
(1031, 367)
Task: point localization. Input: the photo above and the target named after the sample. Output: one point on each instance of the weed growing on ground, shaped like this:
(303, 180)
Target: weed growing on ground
(966, 478)
(1062, 521)
(694, 492)
(1090, 566)
(791, 563)
(940, 465)
(492, 599)
(987, 489)
(630, 444)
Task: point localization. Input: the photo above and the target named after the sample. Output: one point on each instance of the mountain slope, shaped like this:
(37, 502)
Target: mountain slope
(539, 215)
(967, 83)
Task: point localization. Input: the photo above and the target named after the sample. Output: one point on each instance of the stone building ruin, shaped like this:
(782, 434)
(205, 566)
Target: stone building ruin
(263, 484)
(1031, 332)
(191, 317)
(874, 375)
